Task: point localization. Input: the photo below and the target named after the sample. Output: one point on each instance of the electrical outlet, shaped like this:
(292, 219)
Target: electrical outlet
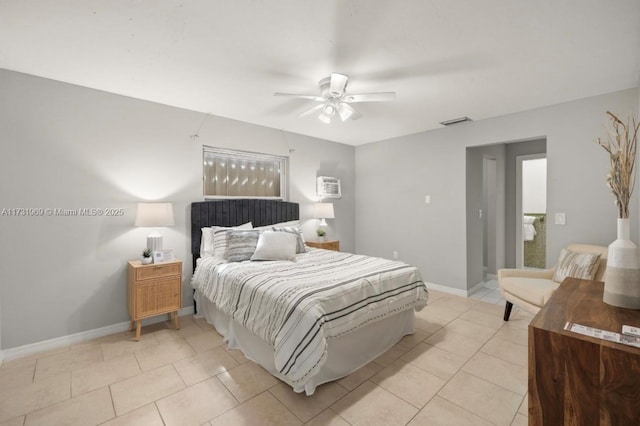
(395, 254)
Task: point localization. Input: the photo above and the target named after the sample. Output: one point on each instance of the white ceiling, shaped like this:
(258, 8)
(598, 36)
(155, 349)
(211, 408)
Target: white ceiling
(444, 58)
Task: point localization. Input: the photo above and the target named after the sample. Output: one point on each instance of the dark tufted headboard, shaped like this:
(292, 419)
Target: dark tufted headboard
(236, 212)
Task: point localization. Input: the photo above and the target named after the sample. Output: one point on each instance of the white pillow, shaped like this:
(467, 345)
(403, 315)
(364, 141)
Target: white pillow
(301, 247)
(268, 227)
(207, 239)
(206, 242)
(275, 246)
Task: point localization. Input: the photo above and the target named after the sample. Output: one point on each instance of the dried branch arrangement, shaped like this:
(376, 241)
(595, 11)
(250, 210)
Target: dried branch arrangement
(621, 145)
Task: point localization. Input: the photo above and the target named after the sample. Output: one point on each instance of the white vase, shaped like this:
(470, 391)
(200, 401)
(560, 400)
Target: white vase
(146, 260)
(622, 276)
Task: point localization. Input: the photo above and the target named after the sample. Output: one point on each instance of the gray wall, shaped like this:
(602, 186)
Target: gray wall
(65, 146)
(393, 176)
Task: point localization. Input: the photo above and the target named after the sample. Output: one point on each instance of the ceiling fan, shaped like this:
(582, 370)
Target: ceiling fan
(334, 100)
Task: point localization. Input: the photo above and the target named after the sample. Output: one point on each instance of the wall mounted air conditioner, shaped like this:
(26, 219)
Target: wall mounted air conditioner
(328, 187)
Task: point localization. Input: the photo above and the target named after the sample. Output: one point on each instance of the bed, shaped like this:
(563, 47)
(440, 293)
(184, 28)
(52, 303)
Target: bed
(307, 321)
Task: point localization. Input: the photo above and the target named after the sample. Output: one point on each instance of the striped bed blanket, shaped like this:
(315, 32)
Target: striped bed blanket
(297, 306)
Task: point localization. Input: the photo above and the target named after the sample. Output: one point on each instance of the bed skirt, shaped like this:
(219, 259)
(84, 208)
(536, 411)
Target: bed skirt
(345, 354)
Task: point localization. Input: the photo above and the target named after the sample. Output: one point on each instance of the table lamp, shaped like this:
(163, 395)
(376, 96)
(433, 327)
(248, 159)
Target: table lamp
(323, 211)
(152, 215)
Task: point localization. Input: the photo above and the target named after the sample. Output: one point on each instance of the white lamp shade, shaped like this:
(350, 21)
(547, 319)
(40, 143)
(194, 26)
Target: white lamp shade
(154, 214)
(323, 211)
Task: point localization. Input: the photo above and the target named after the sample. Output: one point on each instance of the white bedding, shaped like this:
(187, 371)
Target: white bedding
(345, 354)
(297, 307)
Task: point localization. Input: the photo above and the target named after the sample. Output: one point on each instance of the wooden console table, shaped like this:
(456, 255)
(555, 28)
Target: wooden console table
(576, 379)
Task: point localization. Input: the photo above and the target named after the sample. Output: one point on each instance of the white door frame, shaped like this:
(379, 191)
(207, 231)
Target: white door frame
(519, 212)
(489, 210)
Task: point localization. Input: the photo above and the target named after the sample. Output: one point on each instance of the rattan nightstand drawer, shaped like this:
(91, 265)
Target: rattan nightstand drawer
(327, 245)
(158, 270)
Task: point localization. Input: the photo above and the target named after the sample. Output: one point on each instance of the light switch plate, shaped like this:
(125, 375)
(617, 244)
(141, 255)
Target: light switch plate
(561, 219)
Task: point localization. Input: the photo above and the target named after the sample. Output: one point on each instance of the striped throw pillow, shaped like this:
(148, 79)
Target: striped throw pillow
(576, 265)
(221, 242)
(207, 243)
(242, 245)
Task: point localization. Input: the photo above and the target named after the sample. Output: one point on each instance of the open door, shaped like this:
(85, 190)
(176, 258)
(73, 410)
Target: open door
(531, 211)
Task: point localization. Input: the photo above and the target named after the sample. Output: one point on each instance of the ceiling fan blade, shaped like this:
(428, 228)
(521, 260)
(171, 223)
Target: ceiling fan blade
(311, 111)
(356, 115)
(300, 96)
(338, 84)
(346, 112)
(370, 97)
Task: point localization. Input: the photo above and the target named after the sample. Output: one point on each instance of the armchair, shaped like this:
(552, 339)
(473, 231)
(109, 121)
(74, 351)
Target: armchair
(531, 288)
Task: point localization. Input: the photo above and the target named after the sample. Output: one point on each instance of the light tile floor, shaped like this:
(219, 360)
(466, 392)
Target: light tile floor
(464, 366)
(489, 292)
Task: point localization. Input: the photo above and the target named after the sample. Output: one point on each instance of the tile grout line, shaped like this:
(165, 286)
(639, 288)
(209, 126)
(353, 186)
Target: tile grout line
(458, 371)
(55, 403)
(408, 363)
(155, 405)
(113, 404)
(479, 378)
(287, 408)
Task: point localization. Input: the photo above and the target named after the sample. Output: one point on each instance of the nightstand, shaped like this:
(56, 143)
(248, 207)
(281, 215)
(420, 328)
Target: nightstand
(327, 245)
(154, 289)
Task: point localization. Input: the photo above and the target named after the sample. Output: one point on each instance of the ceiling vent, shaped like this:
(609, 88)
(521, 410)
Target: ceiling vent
(455, 121)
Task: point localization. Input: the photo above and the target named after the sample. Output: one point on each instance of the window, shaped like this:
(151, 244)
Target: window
(229, 174)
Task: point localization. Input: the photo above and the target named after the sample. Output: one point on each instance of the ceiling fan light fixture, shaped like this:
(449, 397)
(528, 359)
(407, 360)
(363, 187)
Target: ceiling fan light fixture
(329, 110)
(345, 112)
(324, 118)
(335, 101)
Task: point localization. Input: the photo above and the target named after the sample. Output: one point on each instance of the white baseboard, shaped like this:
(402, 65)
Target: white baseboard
(447, 289)
(1, 357)
(475, 288)
(83, 336)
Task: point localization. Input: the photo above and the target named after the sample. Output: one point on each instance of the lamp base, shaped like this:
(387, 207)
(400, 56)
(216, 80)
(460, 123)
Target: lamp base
(154, 242)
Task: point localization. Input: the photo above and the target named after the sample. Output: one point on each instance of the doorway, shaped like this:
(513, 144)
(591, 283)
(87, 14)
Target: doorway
(531, 210)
